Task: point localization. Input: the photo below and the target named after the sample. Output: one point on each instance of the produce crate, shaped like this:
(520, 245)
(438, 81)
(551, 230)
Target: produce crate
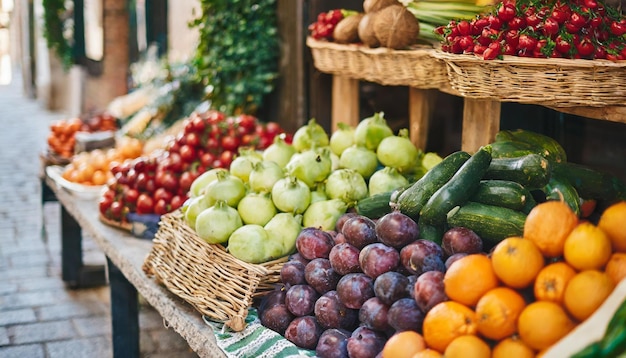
(414, 67)
(216, 283)
(551, 81)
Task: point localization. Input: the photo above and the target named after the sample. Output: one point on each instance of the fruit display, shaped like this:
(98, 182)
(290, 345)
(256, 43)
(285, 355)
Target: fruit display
(258, 207)
(61, 139)
(541, 29)
(391, 23)
(93, 167)
(159, 182)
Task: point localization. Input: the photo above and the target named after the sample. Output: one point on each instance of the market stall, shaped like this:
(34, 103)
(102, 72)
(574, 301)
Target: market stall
(357, 240)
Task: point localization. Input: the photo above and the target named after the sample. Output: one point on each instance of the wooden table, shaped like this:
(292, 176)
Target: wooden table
(125, 256)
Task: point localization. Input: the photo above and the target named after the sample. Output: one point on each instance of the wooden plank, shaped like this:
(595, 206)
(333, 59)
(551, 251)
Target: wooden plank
(421, 104)
(481, 122)
(345, 101)
(609, 113)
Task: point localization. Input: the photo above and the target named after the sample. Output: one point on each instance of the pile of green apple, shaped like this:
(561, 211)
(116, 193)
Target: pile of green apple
(260, 204)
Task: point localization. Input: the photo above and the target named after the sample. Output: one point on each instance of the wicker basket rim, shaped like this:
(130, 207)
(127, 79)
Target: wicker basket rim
(529, 61)
(318, 44)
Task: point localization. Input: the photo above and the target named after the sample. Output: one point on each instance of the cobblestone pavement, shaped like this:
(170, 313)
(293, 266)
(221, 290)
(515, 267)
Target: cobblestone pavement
(39, 316)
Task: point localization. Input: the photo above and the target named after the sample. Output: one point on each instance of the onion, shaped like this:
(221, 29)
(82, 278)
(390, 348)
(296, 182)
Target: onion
(201, 182)
(227, 187)
(324, 214)
(279, 151)
(342, 138)
(291, 195)
(242, 165)
(285, 227)
(311, 166)
(370, 131)
(215, 224)
(386, 179)
(309, 136)
(389, 148)
(256, 208)
(359, 158)
(347, 185)
(264, 175)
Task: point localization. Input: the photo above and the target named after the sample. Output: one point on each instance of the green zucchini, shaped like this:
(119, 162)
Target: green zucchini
(505, 193)
(591, 183)
(551, 149)
(492, 223)
(512, 149)
(532, 170)
(431, 233)
(559, 188)
(458, 189)
(411, 201)
(378, 205)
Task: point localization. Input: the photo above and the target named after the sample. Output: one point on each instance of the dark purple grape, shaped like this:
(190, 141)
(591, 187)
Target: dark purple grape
(429, 290)
(300, 299)
(333, 343)
(360, 231)
(390, 287)
(304, 332)
(411, 285)
(342, 220)
(450, 260)
(313, 243)
(320, 275)
(373, 315)
(331, 313)
(397, 229)
(354, 289)
(297, 257)
(461, 240)
(340, 238)
(292, 273)
(277, 318)
(378, 258)
(344, 258)
(421, 256)
(405, 315)
(365, 343)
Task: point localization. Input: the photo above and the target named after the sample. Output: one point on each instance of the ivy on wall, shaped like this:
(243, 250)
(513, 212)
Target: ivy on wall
(57, 24)
(238, 52)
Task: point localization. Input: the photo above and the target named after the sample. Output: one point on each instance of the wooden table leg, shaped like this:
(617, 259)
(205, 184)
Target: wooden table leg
(420, 108)
(481, 122)
(124, 314)
(345, 101)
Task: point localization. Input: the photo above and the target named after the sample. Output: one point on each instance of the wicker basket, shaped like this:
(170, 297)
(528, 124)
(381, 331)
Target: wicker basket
(217, 284)
(415, 67)
(553, 81)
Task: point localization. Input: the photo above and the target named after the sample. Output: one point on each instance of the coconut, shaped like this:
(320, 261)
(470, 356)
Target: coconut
(347, 30)
(396, 27)
(375, 5)
(366, 30)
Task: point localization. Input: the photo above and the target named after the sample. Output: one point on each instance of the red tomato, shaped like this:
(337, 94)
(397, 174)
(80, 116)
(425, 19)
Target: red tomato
(145, 204)
(162, 193)
(161, 207)
(188, 153)
(230, 143)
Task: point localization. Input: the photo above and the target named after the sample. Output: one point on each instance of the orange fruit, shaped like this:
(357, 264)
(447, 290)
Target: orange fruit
(403, 344)
(548, 224)
(543, 323)
(551, 282)
(587, 247)
(616, 267)
(585, 292)
(612, 223)
(516, 261)
(497, 312)
(427, 353)
(446, 321)
(468, 346)
(512, 347)
(469, 278)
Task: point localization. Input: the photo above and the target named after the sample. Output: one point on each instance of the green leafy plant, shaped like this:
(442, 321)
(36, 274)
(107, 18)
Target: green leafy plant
(237, 54)
(56, 25)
